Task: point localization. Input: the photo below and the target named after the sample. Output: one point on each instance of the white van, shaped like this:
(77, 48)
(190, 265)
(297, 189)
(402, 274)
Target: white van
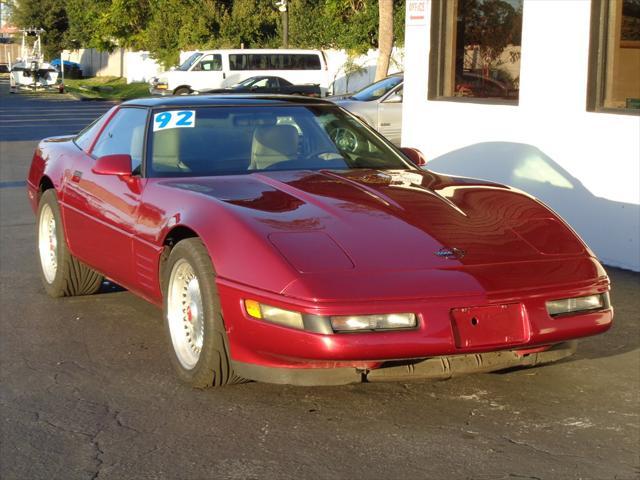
(211, 69)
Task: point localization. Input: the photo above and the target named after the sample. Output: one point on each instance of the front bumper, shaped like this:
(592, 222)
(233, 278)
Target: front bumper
(256, 344)
(435, 368)
(160, 91)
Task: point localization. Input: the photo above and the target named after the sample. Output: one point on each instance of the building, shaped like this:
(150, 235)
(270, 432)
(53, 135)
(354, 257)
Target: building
(540, 95)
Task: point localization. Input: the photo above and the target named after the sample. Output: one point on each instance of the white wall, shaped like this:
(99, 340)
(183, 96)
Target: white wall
(140, 67)
(585, 165)
(134, 66)
(336, 60)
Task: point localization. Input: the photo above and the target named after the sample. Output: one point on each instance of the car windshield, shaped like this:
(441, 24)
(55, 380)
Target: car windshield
(186, 65)
(208, 141)
(377, 90)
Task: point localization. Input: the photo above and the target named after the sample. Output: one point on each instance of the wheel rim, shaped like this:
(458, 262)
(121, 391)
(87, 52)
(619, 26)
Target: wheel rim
(48, 243)
(185, 314)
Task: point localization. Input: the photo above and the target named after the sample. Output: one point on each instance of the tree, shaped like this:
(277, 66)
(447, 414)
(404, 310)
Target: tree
(49, 15)
(385, 38)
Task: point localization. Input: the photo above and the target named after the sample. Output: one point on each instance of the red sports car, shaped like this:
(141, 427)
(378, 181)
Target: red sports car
(288, 242)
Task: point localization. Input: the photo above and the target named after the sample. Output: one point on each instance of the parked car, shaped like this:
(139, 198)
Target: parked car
(211, 69)
(380, 105)
(268, 84)
(480, 86)
(286, 242)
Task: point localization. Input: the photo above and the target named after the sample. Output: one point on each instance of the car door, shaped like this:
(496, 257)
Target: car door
(207, 73)
(101, 210)
(390, 115)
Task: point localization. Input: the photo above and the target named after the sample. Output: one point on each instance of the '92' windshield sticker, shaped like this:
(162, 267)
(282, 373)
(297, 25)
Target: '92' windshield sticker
(174, 119)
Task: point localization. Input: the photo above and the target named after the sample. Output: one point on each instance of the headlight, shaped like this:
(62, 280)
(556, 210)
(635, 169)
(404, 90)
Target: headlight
(578, 304)
(329, 325)
(391, 321)
(274, 314)
(160, 83)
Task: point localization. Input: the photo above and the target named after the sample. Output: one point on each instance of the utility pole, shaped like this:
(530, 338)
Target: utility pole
(284, 10)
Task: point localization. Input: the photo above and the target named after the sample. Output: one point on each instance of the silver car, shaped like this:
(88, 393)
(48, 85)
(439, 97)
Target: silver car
(380, 105)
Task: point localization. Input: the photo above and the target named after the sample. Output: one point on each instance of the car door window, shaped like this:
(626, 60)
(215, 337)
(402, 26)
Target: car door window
(395, 96)
(210, 63)
(124, 135)
(86, 137)
(262, 83)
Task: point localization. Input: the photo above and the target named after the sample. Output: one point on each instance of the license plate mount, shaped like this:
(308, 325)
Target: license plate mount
(490, 326)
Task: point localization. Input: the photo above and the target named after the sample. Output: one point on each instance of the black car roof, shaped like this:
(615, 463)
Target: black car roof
(223, 100)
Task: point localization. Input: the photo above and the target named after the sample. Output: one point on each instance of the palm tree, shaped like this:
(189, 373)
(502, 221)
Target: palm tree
(385, 37)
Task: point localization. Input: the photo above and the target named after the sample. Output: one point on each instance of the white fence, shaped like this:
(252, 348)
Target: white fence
(134, 66)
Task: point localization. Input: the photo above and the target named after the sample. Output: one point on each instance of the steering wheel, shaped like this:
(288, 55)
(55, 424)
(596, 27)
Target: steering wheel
(345, 139)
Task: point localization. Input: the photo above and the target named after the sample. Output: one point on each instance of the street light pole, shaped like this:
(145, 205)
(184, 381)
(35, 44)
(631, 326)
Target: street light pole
(284, 10)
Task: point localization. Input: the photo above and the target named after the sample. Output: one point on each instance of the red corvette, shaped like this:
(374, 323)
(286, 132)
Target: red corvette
(287, 242)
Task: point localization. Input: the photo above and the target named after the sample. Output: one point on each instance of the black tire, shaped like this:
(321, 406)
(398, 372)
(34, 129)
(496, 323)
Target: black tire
(182, 91)
(213, 367)
(72, 277)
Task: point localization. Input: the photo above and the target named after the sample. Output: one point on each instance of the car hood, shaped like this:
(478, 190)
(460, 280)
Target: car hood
(372, 220)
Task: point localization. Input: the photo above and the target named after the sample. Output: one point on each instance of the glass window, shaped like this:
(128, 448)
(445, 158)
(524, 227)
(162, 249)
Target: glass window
(242, 140)
(614, 78)
(274, 61)
(237, 62)
(124, 134)
(210, 63)
(87, 135)
(478, 54)
(186, 65)
(378, 89)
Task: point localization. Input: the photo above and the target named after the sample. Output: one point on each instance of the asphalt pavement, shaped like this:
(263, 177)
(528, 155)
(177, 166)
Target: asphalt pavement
(87, 390)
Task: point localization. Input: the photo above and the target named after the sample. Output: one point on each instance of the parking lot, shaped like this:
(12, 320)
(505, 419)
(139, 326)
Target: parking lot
(87, 390)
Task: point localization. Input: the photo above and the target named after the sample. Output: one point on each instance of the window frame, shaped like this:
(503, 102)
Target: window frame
(442, 57)
(144, 136)
(598, 59)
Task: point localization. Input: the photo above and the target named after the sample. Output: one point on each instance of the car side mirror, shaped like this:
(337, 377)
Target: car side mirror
(118, 164)
(395, 98)
(415, 155)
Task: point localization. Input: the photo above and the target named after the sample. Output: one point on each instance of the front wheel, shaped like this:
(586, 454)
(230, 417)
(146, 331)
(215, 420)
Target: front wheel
(193, 318)
(62, 274)
(182, 91)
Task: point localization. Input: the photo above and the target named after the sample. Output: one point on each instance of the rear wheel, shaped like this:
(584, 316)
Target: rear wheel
(62, 274)
(193, 318)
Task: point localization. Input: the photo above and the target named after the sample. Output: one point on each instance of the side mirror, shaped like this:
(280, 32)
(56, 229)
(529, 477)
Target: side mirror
(395, 98)
(415, 155)
(119, 164)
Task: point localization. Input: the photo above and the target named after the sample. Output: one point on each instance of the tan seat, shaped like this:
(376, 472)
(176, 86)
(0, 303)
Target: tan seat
(273, 144)
(166, 152)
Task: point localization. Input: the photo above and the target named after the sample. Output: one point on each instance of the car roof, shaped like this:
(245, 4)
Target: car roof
(224, 100)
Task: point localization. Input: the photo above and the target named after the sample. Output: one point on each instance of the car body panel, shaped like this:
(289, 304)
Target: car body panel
(333, 242)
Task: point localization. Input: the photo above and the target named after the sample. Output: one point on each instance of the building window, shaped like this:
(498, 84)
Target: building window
(475, 50)
(614, 62)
